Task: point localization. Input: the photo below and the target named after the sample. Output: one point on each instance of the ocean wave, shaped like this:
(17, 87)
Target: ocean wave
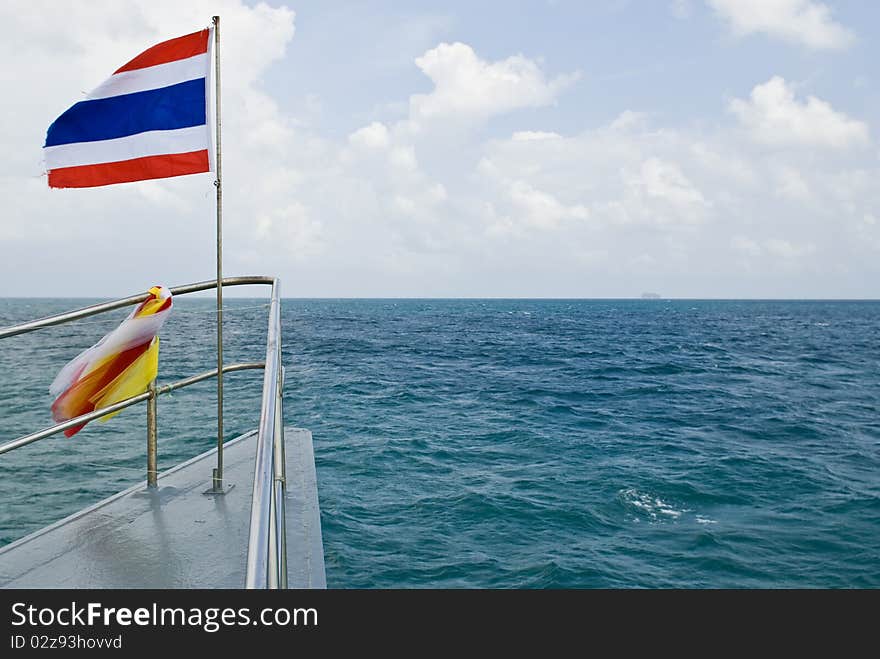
(646, 504)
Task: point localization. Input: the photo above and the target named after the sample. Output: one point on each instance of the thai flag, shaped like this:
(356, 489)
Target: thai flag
(149, 120)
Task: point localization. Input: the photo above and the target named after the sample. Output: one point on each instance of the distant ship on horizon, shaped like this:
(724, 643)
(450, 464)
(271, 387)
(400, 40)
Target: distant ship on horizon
(650, 296)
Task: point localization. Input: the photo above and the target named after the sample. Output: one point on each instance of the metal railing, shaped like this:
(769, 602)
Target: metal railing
(267, 549)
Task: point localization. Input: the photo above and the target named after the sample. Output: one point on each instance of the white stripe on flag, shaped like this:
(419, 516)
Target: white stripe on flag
(152, 77)
(151, 143)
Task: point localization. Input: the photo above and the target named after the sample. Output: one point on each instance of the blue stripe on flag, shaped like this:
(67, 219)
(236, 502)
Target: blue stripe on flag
(176, 106)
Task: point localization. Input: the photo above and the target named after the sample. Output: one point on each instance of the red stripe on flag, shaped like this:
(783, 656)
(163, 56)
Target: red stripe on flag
(169, 51)
(126, 171)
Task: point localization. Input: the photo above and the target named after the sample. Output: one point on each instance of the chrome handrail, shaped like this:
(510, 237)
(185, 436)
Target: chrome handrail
(267, 551)
(267, 560)
(121, 405)
(95, 309)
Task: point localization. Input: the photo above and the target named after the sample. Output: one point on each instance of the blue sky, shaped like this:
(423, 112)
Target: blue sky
(696, 148)
(632, 55)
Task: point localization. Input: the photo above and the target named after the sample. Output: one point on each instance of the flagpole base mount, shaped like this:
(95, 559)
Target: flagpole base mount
(217, 491)
(217, 487)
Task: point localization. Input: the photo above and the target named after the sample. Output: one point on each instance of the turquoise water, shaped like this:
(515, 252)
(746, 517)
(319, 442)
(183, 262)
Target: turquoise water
(517, 443)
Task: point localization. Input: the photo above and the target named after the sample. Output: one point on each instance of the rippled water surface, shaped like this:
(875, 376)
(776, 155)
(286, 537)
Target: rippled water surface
(516, 443)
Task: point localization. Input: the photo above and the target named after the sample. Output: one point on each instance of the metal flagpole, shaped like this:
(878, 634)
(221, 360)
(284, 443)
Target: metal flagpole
(218, 472)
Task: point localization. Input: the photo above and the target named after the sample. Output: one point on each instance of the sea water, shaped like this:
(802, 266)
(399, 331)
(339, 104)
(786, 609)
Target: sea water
(513, 443)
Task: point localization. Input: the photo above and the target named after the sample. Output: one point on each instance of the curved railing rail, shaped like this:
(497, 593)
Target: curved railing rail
(267, 550)
(103, 307)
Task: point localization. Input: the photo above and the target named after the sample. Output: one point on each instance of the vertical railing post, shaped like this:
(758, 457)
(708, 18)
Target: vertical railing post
(277, 564)
(280, 478)
(272, 563)
(152, 433)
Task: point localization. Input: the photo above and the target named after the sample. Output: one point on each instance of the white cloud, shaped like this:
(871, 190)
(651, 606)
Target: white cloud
(773, 248)
(607, 176)
(541, 209)
(664, 180)
(727, 164)
(773, 116)
(746, 245)
(374, 136)
(516, 204)
(628, 120)
(791, 184)
(466, 86)
(404, 158)
(291, 228)
(526, 135)
(704, 205)
(788, 250)
(798, 21)
(420, 214)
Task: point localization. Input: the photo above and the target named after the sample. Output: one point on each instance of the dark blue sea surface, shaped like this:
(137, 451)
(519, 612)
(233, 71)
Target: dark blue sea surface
(514, 443)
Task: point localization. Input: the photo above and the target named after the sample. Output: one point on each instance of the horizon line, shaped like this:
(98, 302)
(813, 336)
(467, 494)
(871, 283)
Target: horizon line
(479, 297)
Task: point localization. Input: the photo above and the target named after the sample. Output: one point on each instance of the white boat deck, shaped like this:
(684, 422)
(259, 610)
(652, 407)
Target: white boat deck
(175, 536)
